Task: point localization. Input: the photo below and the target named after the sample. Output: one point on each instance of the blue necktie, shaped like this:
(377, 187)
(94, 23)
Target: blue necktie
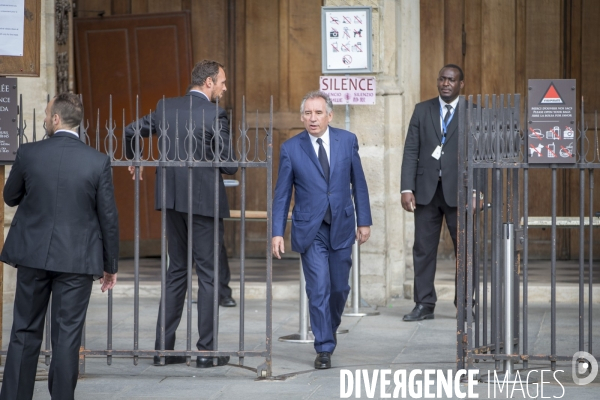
(325, 165)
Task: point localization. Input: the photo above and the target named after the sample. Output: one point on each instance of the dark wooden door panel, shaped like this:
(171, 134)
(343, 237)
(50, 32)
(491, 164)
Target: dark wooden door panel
(145, 56)
(502, 45)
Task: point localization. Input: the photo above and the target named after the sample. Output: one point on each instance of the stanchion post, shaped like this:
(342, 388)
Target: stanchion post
(357, 310)
(508, 376)
(508, 236)
(303, 335)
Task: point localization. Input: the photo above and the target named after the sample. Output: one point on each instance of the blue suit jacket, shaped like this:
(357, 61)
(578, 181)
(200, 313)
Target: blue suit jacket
(299, 168)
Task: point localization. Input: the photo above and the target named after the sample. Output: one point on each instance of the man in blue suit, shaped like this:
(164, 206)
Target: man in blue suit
(323, 165)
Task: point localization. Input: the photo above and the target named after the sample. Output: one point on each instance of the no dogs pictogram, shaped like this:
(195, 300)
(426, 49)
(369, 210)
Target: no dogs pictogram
(347, 60)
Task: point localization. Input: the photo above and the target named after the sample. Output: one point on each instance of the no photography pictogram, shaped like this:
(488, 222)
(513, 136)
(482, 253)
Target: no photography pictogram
(347, 60)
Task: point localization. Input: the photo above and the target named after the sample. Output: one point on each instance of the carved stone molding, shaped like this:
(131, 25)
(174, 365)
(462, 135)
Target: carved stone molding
(62, 8)
(62, 72)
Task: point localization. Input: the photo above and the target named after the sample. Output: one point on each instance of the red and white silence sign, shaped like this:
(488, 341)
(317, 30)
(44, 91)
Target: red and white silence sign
(349, 89)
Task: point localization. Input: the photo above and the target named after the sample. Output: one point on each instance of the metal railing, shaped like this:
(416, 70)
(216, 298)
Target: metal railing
(493, 243)
(250, 148)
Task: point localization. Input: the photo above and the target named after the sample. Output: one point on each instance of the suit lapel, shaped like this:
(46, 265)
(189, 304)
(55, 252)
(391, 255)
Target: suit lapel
(308, 148)
(334, 145)
(434, 111)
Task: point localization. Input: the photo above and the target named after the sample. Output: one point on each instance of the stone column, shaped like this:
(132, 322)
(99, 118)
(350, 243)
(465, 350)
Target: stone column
(381, 130)
(34, 91)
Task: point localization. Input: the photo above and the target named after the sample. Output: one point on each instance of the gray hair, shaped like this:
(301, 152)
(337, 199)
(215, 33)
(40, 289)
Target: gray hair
(315, 95)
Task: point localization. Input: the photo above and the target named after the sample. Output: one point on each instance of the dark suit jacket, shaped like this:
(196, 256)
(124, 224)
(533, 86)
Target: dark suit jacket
(420, 171)
(205, 117)
(299, 167)
(67, 217)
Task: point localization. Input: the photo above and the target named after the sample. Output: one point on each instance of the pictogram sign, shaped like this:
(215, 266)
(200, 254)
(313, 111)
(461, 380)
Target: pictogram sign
(551, 126)
(356, 34)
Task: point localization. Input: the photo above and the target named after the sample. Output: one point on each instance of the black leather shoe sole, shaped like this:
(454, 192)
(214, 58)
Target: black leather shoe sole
(170, 360)
(207, 362)
(227, 302)
(322, 362)
(411, 318)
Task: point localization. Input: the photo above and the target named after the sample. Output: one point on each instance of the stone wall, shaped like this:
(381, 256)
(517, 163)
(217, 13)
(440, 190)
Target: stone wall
(381, 130)
(34, 92)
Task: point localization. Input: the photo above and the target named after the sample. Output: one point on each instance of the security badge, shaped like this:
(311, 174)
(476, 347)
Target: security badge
(437, 153)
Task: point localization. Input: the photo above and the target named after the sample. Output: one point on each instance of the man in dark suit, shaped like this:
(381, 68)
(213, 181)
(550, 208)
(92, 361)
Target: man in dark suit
(65, 232)
(208, 85)
(321, 164)
(429, 182)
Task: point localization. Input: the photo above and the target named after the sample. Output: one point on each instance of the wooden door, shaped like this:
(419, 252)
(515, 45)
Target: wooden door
(500, 45)
(277, 53)
(141, 57)
(269, 48)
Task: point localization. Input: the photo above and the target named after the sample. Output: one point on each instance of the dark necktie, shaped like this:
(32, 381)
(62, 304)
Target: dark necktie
(448, 115)
(325, 165)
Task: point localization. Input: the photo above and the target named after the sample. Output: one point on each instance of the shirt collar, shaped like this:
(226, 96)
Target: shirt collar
(68, 131)
(324, 137)
(453, 103)
(201, 92)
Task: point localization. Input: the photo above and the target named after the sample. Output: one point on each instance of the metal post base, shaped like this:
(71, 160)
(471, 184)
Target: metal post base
(365, 310)
(338, 332)
(297, 338)
(362, 312)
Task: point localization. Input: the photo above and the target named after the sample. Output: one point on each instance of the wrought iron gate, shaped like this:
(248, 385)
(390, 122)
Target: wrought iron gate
(493, 242)
(253, 148)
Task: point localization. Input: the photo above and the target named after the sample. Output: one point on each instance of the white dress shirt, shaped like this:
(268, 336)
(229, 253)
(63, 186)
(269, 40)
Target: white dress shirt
(68, 131)
(443, 104)
(326, 142)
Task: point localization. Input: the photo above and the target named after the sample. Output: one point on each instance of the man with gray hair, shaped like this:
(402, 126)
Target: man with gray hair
(321, 164)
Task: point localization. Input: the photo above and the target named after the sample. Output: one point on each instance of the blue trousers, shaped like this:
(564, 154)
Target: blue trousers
(326, 272)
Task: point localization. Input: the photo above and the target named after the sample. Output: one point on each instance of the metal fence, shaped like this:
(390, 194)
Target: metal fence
(493, 234)
(251, 148)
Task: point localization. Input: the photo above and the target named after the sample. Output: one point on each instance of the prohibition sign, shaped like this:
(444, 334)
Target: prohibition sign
(347, 60)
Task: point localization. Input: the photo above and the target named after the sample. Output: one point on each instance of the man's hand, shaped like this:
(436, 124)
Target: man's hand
(108, 281)
(278, 246)
(408, 202)
(362, 234)
(474, 203)
(132, 172)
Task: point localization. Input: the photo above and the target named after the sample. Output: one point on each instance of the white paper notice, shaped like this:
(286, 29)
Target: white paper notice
(12, 14)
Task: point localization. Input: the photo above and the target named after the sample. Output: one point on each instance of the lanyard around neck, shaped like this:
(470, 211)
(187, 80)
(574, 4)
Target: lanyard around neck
(444, 123)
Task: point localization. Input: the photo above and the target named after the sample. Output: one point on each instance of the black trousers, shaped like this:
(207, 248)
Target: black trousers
(224, 274)
(428, 227)
(70, 299)
(176, 284)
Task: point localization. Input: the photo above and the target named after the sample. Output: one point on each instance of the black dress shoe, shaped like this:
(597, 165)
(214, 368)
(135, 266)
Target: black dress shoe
(170, 360)
(227, 302)
(207, 362)
(323, 361)
(419, 313)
